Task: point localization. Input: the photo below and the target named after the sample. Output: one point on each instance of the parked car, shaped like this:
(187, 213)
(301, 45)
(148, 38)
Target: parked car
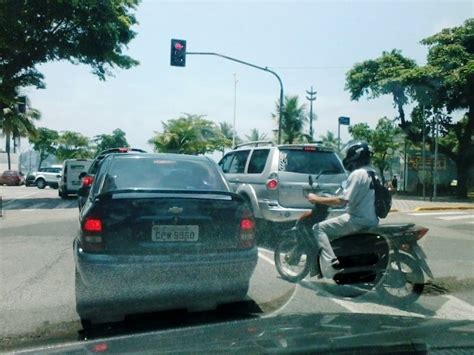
(71, 176)
(177, 237)
(274, 178)
(12, 178)
(89, 177)
(48, 176)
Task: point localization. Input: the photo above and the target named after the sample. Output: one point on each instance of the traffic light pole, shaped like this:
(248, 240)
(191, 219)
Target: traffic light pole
(256, 67)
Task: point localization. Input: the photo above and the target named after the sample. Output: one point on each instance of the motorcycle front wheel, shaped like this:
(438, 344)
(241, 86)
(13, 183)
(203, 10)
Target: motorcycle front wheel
(403, 282)
(291, 259)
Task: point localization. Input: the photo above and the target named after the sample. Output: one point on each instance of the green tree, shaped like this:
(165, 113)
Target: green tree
(227, 132)
(330, 140)
(90, 32)
(188, 134)
(443, 85)
(15, 124)
(382, 76)
(106, 141)
(382, 140)
(293, 120)
(45, 143)
(255, 136)
(73, 145)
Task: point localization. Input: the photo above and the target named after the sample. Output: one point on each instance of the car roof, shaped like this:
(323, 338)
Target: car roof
(120, 150)
(267, 144)
(171, 156)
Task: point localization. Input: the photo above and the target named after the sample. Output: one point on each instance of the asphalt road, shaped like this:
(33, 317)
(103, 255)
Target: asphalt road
(37, 272)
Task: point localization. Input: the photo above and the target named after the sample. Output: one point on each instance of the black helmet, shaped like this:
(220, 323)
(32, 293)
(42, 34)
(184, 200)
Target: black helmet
(357, 154)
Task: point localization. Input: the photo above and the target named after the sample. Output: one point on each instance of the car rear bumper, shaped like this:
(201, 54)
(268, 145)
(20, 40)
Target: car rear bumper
(272, 211)
(171, 282)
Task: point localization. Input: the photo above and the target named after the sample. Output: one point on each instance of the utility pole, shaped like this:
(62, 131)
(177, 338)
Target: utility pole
(311, 97)
(435, 171)
(423, 155)
(235, 110)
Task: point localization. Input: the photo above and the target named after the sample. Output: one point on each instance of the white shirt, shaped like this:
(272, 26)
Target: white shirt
(360, 197)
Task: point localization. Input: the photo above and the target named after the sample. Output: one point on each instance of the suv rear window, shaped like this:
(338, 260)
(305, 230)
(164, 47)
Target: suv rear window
(162, 173)
(309, 162)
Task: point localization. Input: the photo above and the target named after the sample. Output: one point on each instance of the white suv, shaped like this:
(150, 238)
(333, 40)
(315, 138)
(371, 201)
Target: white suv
(48, 177)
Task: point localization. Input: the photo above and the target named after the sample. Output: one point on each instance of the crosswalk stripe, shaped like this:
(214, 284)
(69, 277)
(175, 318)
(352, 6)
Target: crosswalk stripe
(453, 218)
(435, 213)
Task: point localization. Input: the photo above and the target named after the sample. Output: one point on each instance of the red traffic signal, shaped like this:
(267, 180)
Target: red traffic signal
(178, 53)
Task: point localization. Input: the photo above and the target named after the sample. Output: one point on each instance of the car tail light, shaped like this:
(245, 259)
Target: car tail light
(123, 150)
(247, 231)
(91, 236)
(272, 184)
(92, 225)
(87, 180)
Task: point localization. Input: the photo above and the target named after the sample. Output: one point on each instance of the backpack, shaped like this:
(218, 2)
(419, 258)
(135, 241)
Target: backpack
(383, 197)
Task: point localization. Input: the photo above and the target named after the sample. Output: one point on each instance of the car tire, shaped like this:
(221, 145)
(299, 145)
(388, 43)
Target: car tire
(63, 194)
(40, 184)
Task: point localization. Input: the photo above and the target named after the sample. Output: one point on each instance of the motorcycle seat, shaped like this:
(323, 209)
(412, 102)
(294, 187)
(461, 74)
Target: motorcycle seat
(390, 228)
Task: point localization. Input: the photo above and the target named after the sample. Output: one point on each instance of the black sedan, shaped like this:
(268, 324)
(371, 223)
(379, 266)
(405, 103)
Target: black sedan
(159, 232)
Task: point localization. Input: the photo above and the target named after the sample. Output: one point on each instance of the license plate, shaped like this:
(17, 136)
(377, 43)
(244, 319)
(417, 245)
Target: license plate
(172, 233)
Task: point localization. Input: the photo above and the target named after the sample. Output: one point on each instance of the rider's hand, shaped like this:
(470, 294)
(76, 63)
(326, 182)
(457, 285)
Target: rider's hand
(313, 198)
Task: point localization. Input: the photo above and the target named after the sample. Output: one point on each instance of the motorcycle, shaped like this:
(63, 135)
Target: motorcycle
(385, 258)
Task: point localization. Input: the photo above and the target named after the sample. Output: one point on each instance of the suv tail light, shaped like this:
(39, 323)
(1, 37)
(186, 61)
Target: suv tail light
(247, 231)
(91, 236)
(87, 181)
(272, 184)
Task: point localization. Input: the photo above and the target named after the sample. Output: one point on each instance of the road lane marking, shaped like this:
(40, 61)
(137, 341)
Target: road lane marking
(373, 308)
(19, 198)
(435, 213)
(453, 218)
(266, 258)
(455, 309)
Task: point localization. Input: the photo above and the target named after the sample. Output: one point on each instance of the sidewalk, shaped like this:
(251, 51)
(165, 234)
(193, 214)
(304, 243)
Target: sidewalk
(415, 203)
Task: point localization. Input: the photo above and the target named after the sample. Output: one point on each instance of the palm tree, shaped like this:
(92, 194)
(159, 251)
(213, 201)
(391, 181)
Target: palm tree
(188, 134)
(329, 140)
(293, 120)
(255, 136)
(14, 124)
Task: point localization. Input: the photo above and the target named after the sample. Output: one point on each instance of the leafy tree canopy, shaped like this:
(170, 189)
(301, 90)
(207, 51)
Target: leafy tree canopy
(90, 32)
(73, 145)
(382, 139)
(189, 134)
(45, 143)
(106, 141)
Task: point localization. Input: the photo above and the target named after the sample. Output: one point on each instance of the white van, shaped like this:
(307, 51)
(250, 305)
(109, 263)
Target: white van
(73, 172)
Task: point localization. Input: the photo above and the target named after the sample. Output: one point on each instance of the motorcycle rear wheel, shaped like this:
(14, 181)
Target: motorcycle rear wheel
(404, 281)
(291, 259)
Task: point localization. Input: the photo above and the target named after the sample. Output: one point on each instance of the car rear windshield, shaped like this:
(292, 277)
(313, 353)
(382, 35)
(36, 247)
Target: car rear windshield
(162, 173)
(309, 162)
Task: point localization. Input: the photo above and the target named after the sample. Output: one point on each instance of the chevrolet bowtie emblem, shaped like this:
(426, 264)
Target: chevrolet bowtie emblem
(175, 210)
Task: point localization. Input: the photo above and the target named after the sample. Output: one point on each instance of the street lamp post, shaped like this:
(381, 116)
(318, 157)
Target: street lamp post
(256, 67)
(235, 110)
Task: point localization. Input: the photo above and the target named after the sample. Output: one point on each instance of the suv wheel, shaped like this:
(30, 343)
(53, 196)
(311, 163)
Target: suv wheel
(40, 183)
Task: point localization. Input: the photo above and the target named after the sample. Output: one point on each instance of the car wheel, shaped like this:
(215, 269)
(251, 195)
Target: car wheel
(40, 183)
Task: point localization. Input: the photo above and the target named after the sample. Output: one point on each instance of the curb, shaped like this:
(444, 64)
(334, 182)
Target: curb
(440, 208)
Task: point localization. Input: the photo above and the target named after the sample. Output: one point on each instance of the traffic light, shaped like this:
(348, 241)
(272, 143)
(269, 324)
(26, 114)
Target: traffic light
(178, 53)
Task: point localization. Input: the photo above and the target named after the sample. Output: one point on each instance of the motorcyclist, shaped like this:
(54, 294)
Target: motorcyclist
(359, 196)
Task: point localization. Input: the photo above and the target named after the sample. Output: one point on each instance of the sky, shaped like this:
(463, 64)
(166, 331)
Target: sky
(308, 43)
